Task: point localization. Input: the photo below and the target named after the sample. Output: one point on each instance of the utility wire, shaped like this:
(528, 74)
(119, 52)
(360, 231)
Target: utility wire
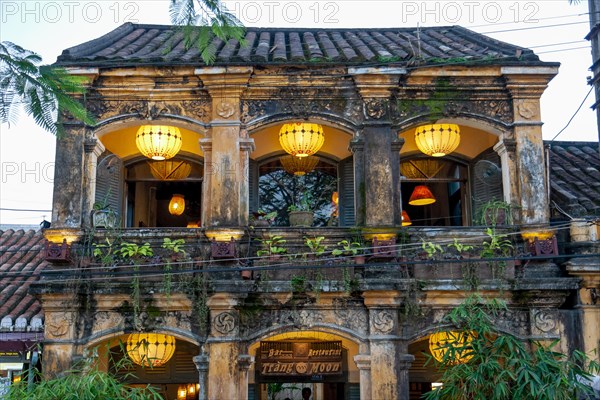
(574, 114)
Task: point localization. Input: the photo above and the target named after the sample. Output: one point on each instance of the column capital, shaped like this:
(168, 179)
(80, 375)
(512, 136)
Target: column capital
(363, 361)
(405, 361)
(504, 146)
(245, 361)
(201, 361)
(356, 145)
(247, 144)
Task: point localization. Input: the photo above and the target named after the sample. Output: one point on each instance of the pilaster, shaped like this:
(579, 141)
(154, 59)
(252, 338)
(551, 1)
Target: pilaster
(226, 371)
(226, 148)
(526, 86)
(68, 191)
(92, 148)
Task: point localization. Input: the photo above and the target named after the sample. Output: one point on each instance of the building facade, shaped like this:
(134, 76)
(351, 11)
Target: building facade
(257, 309)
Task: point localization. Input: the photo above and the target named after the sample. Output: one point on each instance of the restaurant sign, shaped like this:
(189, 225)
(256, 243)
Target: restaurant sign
(299, 360)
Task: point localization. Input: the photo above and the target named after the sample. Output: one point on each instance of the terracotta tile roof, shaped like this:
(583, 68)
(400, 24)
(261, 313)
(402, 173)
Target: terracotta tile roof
(575, 177)
(21, 262)
(135, 44)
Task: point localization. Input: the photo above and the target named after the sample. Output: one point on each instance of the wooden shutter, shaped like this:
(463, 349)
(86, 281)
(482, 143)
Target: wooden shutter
(346, 192)
(486, 179)
(109, 184)
(253, 185)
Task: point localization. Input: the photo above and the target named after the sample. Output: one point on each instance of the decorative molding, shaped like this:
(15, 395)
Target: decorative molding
(376, 108)
(225, 322)
(107, 108)
(382, 321)
(544, 321)
(225, 109)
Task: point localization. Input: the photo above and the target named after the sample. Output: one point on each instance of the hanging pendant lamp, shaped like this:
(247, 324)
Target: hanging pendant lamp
(158, 142)
(441, 342)
(301, 139)
(177, 204)
(405, 219)
(299, 165)
(437, 140)
(421, 196)
(150, 349)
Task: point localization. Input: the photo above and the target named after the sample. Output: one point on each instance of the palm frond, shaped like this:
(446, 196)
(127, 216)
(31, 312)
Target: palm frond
(41, 91)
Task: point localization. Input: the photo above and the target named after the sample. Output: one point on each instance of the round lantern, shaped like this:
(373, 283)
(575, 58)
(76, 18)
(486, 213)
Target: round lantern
(299, 165)
(441, 342)
(158, 142)
(437, 140)
(150, 349)
(177, 204)
(301, 139)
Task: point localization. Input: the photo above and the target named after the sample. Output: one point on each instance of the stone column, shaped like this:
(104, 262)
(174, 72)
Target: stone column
(404, 363)
(357, 147)
(226, 189)
(363, 363)
(507, 150)
(59, 333)
(381, 164)
(224, 348)
(202, 362)
(389, 366)
(526, 86)
(68, 178)
(585, 240)
(379, 176)
(206, 145)
(396, 146)
(93, 148)
(245, 361)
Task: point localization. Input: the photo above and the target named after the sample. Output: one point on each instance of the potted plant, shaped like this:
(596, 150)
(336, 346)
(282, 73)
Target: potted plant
(352, 250)
(103, 216)
(262, 218)
(300, 213)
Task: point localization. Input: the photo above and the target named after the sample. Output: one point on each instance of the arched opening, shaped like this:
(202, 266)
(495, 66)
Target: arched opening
(287, 363)
(327, 189)
(139, 191)
(176, 377)
(455, 186)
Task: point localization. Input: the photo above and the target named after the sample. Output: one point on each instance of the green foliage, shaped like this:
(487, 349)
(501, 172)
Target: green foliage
(272, 246)
(501, 366)
(298, 283)
(202, 21)
(347, 248)
(460, 247)
(43, 91)
(495, 212)
(497, 245)
(85, 383)
(133, 250)
(176, 246)
(431, 249)
(316, 245)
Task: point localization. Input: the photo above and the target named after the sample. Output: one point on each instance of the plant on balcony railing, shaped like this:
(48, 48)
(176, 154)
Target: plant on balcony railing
(496, 246)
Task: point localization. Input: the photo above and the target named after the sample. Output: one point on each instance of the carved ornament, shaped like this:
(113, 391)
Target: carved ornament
(225, 109)
(544, 321)
(224, 322)
(382, 321)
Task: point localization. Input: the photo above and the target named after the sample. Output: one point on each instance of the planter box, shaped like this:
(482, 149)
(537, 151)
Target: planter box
(460, 271)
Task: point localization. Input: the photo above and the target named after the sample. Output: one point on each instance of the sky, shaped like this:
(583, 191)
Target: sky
(554, 29)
